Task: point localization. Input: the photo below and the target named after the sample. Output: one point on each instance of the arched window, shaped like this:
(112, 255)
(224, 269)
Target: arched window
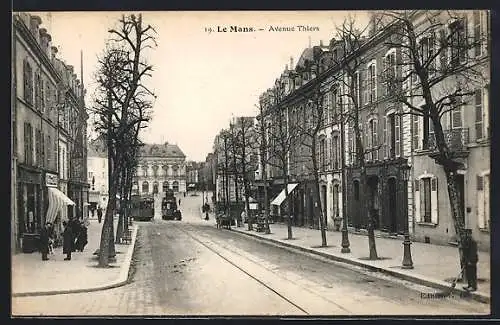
(155, 171)
(145, 187)
(135, 187)
(175, 170)
(175, 186)
(155, 187)
(165, 186)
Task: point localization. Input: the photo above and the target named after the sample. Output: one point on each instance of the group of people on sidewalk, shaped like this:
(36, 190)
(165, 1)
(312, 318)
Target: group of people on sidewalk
(74, 238)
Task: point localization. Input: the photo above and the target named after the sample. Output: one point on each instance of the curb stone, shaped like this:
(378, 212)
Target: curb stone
(122, 279)
(426, 282)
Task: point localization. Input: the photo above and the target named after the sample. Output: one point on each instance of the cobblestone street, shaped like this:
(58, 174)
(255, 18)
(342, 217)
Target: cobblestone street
(192, 268)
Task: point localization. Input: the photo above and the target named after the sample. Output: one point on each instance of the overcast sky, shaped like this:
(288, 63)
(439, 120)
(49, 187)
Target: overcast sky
(201, 79)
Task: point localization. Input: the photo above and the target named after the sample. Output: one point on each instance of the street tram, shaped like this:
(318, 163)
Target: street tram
(142, 207)
(169, 209)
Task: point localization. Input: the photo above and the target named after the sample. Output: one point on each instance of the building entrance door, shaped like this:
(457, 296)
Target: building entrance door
(392, 204)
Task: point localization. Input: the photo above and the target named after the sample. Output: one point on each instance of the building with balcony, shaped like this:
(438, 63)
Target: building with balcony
(393, 139)
(160, 167)
(467, 133)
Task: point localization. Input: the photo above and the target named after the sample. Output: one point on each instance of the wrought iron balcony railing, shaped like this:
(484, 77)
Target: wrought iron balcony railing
(456, 139)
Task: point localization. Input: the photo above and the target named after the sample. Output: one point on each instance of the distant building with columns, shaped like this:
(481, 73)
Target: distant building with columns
(160, 167)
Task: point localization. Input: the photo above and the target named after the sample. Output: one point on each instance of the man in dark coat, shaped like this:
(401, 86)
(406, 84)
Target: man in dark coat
(68, 242)
(81, 239)
(471, 259)
(99, 214)
(44, 241)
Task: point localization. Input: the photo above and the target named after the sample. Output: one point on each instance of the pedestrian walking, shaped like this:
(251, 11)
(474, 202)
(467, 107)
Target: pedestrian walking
(67, 241)
(44, 241)
(179, 202)
(81, 240)
(99, 214)
(471, 259)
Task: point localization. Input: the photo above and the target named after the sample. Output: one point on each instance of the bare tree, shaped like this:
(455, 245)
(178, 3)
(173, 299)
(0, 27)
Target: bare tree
(243, 145)
(262, 143)
(309, 135)
(441, 70)
(121, 71)
(284, 136)
(351, 64)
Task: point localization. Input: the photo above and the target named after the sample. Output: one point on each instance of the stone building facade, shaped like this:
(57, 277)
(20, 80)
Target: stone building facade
(40, 85)
(160, 167)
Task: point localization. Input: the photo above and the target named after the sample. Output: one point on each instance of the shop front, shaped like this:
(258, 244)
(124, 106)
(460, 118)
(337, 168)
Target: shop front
(58, 203)
(29, 209)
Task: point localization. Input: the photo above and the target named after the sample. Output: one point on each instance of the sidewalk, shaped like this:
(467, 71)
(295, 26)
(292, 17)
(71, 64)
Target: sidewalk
(434, 265)
(33, 277)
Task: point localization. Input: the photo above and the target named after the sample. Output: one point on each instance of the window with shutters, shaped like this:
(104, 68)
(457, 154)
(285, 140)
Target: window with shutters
(322, 154)
(425, 199)
(365, 90)
(42, 96)
(390, 70)
(393, 130)
(37, 147)
(28, 144)
(28, 82)
(458, 41)
(443, 54)
(373, 139)
(326, 110)
(38, 101)
(43, 161)
(336, 151)
(455, 114)
(483, 201)
(372, 82)
(477, 25)
(427, 52)
(357, 88)
(333, 105)
(416, 133)
(478, 105)
(352, 144)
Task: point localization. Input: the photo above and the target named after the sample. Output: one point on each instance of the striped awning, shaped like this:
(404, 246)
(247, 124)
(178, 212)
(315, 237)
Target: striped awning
(281, 197)
(57, 201)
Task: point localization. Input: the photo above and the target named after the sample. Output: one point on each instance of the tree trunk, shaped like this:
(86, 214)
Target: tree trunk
(450, 169)
(107, 245)
(317, 190)
(119, 228)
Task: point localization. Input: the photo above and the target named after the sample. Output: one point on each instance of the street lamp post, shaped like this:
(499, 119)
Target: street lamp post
(407, 260)
(345, 232)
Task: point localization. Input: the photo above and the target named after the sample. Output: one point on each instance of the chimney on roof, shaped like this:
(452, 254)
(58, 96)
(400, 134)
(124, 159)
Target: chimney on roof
(35, 22)
(321, 43)
(54, 51)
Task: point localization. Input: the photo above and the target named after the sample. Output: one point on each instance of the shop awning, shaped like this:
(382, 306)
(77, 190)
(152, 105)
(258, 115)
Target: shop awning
(57, 200)
(281, 197)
